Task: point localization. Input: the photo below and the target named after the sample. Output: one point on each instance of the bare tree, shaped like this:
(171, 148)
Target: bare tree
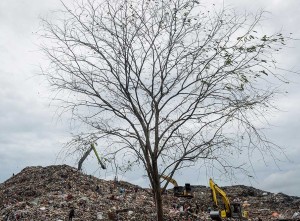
(163, 83)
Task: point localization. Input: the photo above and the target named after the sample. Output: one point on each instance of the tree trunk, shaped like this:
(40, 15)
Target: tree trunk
(157, 192)
(158, 203)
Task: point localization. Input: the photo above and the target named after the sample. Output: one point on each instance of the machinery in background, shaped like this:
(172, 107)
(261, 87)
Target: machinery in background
(180, 191)
(227, 210)
(85, 155)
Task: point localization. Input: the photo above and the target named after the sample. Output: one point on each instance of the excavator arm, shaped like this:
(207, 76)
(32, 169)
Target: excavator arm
(215, 189)
(99, 160)
(85, 155)
(233, 210)
(169, 179)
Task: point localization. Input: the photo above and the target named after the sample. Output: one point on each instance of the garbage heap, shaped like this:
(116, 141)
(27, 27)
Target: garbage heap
(60, 192)
(50, 193)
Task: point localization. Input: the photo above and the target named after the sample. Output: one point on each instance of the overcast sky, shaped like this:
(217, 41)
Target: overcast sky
(31, 134)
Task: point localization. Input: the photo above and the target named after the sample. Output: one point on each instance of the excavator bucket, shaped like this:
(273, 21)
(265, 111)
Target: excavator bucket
(215, 215)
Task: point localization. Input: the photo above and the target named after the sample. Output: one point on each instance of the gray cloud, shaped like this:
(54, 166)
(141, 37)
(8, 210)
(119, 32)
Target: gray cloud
(28, 133)
(283, 181)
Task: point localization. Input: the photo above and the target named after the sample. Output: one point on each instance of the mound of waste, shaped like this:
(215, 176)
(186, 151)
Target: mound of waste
(58, 192)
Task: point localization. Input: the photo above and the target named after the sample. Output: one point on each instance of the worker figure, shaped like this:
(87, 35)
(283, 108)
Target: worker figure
(236, 208)
(197, 208)
(71, 214)
(122, 193)
(136, 189)
(116, 182)
(98, 190)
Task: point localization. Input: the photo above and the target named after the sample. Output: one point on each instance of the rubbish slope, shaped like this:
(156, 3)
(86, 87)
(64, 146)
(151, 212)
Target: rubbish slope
(59, 192)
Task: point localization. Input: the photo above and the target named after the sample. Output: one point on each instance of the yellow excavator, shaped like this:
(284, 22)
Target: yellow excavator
(228, 210)
(179, 191)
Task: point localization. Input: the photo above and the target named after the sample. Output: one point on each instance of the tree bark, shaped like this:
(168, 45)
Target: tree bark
(158, 203)
(157, 192)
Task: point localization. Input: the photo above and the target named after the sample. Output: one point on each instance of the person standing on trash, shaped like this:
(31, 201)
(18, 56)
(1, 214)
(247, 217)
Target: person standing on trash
(98, 190)
(71, 214)
(121, 193)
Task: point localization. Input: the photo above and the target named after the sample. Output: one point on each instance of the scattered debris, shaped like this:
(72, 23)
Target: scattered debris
(64, 193)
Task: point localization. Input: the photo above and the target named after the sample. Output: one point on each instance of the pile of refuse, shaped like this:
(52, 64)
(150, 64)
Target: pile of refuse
(63, 193)
(55, 192)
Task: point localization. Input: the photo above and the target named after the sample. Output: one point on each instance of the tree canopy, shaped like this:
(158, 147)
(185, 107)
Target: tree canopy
(163, 83)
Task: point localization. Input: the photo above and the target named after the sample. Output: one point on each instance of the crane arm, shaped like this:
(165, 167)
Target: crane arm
(96, 153)
(217, 190)
(213, 191)
(169, 179)
(85, 155)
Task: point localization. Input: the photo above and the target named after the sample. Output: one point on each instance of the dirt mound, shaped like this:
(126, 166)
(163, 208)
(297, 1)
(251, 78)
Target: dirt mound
(53, 192)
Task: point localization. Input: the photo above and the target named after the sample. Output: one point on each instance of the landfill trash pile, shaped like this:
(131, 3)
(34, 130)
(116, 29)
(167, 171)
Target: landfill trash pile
(264, 204)
(59, 193)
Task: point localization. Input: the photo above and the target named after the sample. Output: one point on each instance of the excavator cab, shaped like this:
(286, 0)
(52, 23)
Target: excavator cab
(188, 188)
(180, 191)
(187, 192)
(236, 210)
(183, 191)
